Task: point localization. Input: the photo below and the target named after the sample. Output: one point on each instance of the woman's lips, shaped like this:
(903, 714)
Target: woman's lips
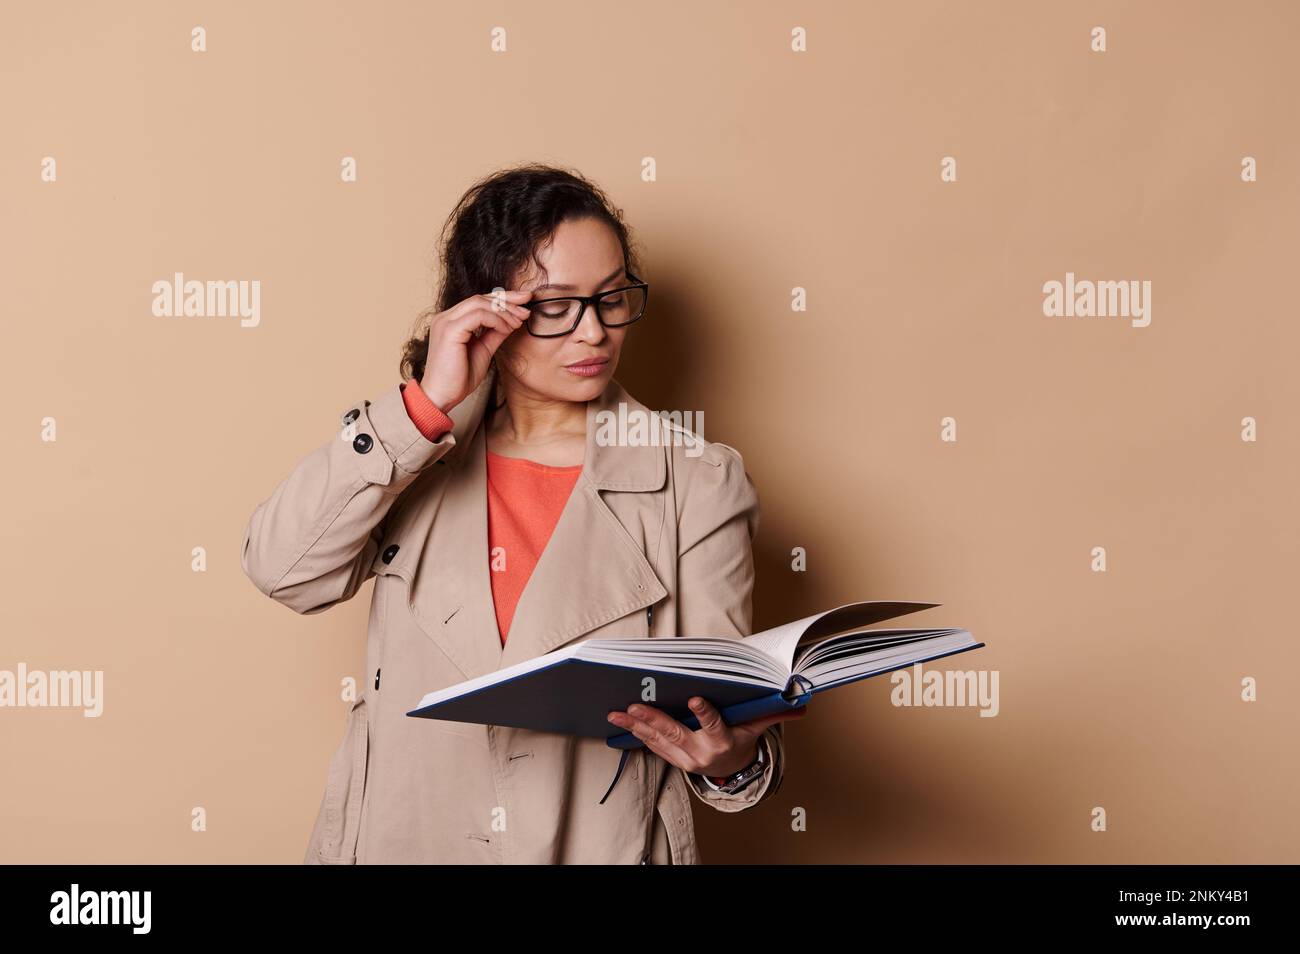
(588, 369)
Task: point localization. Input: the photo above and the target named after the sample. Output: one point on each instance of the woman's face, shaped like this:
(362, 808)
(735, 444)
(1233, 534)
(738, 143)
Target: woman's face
(584, 258)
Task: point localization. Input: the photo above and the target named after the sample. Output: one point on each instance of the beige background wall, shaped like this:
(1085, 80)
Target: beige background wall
(775, 170)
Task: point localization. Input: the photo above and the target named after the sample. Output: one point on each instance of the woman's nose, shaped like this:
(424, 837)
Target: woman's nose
(590, 328)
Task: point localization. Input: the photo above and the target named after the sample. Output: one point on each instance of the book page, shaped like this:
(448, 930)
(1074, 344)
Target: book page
(781, 642)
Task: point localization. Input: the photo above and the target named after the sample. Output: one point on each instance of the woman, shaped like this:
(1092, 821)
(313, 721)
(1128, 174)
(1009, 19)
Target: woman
(498, 528)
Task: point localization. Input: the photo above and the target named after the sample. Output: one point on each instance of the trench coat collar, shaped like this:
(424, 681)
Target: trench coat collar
(590, 573)
(634, 467)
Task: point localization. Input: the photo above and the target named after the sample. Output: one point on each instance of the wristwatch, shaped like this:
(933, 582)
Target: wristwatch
(738, 780)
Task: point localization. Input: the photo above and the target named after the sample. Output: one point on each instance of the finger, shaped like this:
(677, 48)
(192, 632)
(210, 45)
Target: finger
(475, 302)
(510, 300)
(467, 326)
(499, 330)
(663, 754)
(711, 722)
(669, 737)
(513, 314)
(493, 337)
(514, 294)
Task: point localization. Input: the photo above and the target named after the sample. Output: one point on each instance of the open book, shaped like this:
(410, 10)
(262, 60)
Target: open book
(572, 689)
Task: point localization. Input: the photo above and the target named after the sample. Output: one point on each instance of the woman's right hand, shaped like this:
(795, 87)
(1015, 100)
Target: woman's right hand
(462, 341)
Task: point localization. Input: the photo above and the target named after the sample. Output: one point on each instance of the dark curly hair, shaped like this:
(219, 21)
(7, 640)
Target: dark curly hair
(502, 220)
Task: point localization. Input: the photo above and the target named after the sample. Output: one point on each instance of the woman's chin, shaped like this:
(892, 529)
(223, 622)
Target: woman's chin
(584, 387)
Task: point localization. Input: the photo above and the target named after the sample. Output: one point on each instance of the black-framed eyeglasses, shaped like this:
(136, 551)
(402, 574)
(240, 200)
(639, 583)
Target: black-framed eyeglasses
(553, 317)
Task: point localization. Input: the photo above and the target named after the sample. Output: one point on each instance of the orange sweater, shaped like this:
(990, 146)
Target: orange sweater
(524, 503)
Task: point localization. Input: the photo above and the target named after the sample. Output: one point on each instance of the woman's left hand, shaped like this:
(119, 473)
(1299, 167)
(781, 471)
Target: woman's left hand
(714, 749)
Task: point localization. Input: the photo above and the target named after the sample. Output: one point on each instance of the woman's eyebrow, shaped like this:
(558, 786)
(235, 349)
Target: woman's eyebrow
(563, 287)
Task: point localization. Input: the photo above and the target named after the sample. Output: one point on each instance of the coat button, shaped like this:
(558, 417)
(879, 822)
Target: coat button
(352, 415)
(377, 672)
(362, 444)
(390, 553)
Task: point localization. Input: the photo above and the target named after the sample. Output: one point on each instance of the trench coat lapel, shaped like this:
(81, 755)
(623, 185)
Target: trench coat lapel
(591, 571)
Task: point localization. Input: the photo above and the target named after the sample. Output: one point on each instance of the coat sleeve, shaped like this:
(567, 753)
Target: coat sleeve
(311, 544)
(715, 582)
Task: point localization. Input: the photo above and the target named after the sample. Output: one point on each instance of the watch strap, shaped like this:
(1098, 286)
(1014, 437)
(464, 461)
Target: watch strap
(740, 780)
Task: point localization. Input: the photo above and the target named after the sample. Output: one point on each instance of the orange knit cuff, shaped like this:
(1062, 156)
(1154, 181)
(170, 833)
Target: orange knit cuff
(424, 414)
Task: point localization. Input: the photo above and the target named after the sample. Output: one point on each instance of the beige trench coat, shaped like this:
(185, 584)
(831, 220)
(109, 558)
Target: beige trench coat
(648, 527)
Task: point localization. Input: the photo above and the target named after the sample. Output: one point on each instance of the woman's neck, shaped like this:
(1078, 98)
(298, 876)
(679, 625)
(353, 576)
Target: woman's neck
(541, 429)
